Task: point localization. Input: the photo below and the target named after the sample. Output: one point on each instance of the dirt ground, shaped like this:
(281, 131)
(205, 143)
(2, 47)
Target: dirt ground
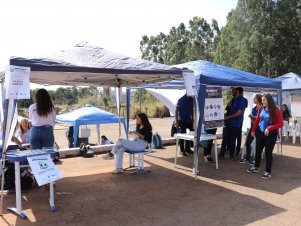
(90, 195)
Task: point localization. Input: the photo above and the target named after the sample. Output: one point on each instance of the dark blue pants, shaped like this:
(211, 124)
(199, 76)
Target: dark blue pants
(41, 137)
(230, 134)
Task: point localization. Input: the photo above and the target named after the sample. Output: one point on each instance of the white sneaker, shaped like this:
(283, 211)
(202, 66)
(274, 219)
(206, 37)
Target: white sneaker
(117, 171)
(266, 175)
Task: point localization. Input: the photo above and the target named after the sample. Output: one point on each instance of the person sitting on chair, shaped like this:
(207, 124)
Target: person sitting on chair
(144, 137)
(105, 140)
(21, 136)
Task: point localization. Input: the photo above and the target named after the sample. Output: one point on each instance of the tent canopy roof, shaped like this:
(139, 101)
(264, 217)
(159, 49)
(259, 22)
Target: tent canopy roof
(88, 115)
(86, 64)
(290, 81)
(212, 74)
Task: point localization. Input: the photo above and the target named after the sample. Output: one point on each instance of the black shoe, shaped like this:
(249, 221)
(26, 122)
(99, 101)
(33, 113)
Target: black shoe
(210, 159)
(189, 151)
(184, 153)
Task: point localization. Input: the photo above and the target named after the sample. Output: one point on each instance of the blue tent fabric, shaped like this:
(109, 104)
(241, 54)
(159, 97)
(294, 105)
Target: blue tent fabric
(88, 115)
(290, 81)
(87, 64)
(211, 74)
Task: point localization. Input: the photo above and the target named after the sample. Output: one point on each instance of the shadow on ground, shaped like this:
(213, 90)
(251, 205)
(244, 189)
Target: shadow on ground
(163, 197)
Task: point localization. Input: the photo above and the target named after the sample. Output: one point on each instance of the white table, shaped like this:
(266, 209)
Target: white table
(18, 158)
(190, 136)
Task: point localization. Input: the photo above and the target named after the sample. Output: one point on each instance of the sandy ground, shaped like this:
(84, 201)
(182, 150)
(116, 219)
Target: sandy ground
(90, 195)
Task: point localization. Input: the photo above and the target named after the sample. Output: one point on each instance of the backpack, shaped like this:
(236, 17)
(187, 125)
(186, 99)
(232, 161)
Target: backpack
(27, 178)
(157, 141)
(85, 151)
(173, 129)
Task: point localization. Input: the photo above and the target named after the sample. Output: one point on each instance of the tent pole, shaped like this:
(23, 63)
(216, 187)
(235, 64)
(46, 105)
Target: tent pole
(8, 115)
(118, 103)
(128, 109)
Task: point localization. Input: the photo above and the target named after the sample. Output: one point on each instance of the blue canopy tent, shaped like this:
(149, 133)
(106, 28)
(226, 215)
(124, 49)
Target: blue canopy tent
(88, 115)
(210, 74)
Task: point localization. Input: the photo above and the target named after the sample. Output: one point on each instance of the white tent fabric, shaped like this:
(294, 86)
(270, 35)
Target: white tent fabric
(168, 97)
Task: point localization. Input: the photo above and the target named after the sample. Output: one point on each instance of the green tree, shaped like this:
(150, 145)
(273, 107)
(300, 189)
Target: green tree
(262, 37)
(182, 44)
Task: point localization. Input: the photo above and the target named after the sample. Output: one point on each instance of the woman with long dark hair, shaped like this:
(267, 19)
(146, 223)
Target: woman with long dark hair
(42, 116)
(143, 135)
(267, 123)
(258, 104)
(286, 113)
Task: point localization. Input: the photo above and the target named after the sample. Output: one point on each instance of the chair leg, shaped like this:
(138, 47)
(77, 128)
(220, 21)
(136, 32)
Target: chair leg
(140, 169)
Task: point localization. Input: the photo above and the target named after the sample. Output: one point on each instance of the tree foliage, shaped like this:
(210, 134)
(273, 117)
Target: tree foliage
(197, 41)
(263, 37)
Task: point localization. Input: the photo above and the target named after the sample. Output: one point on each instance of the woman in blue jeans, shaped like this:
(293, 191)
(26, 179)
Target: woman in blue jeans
(42, 117)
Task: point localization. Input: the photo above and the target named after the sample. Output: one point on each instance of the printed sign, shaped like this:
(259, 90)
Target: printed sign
(190, 85)
(17, 84)
(214, 108)
(44, 169)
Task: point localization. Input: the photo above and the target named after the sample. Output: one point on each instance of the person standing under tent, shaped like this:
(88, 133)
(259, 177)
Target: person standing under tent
(42, 116)
(233, 121)
(238, 145)
(266, 129)
(144, 137)
(258, 104)
(184, 120)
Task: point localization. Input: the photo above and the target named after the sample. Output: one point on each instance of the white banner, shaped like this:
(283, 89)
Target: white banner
(17, 84)
(44, 169)
(190, 84)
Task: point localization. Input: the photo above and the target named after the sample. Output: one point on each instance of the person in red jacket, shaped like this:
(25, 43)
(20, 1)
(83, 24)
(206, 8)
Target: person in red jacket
(266, 126)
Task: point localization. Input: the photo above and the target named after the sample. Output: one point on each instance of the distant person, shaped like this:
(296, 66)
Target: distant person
(184, 120)
(258, 104)
(42, 116)
(238, 145)
(105, 140)
(233, 121)
(69, 135)
(21, 136)
(286, 113)
(265, 129)
(144, 137)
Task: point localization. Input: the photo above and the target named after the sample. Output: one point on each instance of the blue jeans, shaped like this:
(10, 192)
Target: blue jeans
(41, 136)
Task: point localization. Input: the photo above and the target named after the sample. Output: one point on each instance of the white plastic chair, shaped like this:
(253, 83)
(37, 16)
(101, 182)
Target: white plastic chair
(288, 129)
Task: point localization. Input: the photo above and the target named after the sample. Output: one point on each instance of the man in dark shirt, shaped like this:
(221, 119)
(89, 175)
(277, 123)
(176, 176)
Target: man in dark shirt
(233, 122)
(241, 93)
(184, 120)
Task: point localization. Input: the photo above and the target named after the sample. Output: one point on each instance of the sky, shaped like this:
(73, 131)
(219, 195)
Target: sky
(33, 27)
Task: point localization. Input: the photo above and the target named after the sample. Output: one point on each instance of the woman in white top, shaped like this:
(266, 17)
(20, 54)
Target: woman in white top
(42, 116)
(104, 140)
(23, 132)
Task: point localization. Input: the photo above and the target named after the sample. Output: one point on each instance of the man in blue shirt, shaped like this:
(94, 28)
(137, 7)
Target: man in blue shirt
(184, 120)
(241, 93)
(233, 122)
